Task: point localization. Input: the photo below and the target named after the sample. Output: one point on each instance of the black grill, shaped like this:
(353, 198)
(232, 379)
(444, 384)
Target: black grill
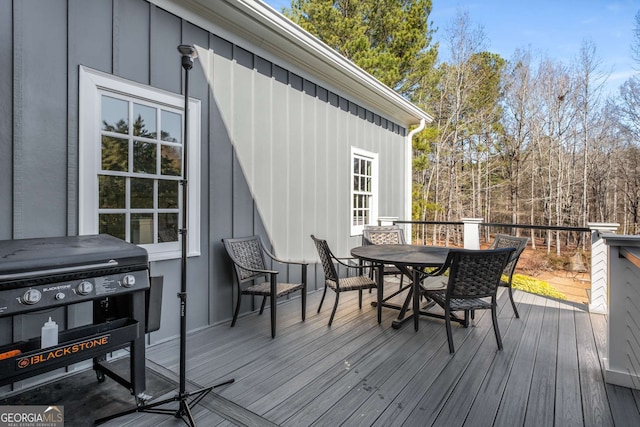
(46, 258)
(38, 274)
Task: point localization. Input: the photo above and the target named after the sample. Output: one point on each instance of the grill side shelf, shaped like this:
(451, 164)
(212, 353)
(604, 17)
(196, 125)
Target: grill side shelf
(75, 345)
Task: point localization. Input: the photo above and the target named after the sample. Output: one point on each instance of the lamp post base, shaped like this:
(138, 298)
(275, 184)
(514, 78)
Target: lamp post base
(187, 400)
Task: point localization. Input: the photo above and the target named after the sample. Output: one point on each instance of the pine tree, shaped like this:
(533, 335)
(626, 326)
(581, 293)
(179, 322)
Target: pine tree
(390, 39)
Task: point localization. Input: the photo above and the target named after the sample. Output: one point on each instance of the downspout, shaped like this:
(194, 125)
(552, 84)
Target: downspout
(409, 175)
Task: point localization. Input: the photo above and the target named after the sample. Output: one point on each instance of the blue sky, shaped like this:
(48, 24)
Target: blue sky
(551, 28)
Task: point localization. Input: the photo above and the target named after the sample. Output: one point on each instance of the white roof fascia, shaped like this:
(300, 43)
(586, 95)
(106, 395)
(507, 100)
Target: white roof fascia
(263, 26)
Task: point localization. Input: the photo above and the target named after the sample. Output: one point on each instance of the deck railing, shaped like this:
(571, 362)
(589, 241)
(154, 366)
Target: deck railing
(555, 238)
(622, 366)
(473, 233)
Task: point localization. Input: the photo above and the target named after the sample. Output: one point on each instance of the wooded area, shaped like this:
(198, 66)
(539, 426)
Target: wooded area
(521, 140)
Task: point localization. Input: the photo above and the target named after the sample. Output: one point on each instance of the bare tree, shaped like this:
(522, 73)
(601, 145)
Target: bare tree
(457, 87)
(519, 115)
(589, 89)
(529, 136)
(558, 97)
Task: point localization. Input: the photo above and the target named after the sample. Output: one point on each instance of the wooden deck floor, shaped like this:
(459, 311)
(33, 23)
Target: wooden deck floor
(359, 373)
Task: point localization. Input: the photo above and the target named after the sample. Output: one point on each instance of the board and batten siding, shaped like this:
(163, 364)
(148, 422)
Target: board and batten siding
(275, 142)
(292, 144)
(43, 44)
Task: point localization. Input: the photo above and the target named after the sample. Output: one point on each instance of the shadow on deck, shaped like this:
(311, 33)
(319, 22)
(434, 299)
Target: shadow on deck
(359, 373)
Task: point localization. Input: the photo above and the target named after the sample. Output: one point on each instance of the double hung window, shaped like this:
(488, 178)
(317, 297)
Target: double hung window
(364, 189)
(131, 145)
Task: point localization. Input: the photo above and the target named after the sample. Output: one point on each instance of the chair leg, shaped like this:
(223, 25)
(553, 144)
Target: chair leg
(264, 302)
(335, 306)
(304, 302)
(236, 311)
(360, 298)
(494, 317)
(274, 304)
(513, 303)
(322, 299)
(447, 322)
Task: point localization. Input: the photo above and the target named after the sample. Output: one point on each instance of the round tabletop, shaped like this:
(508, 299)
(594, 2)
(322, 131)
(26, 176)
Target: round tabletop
(408, 255)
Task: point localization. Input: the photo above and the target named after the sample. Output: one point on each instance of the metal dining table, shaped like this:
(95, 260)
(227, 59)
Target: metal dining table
(411, 260)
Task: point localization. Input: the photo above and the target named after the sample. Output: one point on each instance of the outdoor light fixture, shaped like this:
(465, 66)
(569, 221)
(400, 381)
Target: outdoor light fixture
(188, 53)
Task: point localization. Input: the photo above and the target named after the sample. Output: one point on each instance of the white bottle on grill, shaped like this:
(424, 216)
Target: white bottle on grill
(49, 336)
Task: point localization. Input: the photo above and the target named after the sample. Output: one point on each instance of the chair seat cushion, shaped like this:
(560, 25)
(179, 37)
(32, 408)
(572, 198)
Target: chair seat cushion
(460, 304)
(433, 283)
(264, 288)
(352, 283)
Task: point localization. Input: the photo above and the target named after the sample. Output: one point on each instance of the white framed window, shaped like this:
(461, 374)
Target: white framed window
(364, 189)
(130, 164)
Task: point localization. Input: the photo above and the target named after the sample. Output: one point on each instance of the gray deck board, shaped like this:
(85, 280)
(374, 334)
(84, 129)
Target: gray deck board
(489, 385)
(542, 392)
(359, 373)
(433, 372)
(622, 401)
(568, 398)
(453, 380)
(594, 393)
(513, 404)
(395, 383)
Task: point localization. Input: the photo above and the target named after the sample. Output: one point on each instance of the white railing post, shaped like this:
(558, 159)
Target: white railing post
(472, 233)
(599, 266)
(387, 220)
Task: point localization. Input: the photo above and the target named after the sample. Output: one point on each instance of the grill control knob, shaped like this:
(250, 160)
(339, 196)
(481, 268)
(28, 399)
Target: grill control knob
(32, 296)
(128, 281)
(85, 288)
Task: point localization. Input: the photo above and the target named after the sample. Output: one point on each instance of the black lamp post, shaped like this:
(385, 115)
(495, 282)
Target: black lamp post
(186, 399)
(188, 53)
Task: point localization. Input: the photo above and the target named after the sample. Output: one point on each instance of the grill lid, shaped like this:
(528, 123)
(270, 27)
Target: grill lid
(24, 258)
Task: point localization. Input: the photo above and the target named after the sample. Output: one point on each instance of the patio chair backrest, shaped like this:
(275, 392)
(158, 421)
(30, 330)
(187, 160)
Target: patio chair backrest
(506, 241)
(383, 237)
(246, 251)
(381, 227)
(475, 273)
(326, 257)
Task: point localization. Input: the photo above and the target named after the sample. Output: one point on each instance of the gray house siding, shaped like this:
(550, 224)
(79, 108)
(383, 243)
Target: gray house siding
(292, 139)
(39, 68)
(6, 120)
(275, 146)
(287, 141)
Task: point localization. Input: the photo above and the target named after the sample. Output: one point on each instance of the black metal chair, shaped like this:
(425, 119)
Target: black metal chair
(389, 235)
(249, 256)
(519, 243)
(472, 284)
(338, 284)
